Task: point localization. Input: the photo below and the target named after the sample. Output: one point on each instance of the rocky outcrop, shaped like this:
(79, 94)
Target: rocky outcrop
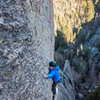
(66, 89)
(26, 46)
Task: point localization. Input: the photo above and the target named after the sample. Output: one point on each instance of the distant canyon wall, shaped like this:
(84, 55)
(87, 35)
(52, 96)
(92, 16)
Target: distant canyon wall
(71, 14)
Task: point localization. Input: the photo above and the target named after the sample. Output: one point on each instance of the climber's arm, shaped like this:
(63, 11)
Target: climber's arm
(51, 74)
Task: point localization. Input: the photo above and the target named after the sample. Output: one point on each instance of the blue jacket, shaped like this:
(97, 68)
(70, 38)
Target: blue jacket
(54, 74)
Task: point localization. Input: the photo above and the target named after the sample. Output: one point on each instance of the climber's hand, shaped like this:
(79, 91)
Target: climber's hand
(45, 76)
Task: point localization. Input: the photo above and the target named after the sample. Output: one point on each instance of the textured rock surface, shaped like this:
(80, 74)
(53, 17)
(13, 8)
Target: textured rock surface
(66, 89)
(26, 46)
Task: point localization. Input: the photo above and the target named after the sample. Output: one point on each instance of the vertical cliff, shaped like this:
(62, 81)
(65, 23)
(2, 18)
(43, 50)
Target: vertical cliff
(26, 46)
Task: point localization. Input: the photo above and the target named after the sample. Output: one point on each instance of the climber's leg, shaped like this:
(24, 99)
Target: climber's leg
(54, 90)
(53, 97)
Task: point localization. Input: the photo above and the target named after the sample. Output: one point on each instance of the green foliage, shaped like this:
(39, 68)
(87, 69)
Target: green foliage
(61, 20)
(80, 54)
(84, 4)
(78, 9)
(0, 41)
(91, 23)
(80, 37)
(61, 50)
(98, 6)
(98, 46)
(67, 30)
(68, 55)
(61, 64)
(94, 95)
(86, 54)
(96, 1)
(97, 69)
(78, 67)
(60, 40)
(90, 11)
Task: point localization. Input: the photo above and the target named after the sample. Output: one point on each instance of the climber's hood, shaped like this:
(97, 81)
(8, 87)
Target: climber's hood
(57, 68)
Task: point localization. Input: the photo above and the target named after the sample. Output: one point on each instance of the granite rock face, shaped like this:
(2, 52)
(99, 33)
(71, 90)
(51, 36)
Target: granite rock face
(26, 46)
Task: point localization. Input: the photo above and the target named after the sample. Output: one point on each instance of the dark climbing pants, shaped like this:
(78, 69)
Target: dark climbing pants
(54, 86)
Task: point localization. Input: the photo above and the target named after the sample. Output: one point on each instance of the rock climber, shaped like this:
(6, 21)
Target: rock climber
(55, 75)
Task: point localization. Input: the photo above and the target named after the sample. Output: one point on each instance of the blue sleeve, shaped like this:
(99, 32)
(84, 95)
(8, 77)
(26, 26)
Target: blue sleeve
(51, 74)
